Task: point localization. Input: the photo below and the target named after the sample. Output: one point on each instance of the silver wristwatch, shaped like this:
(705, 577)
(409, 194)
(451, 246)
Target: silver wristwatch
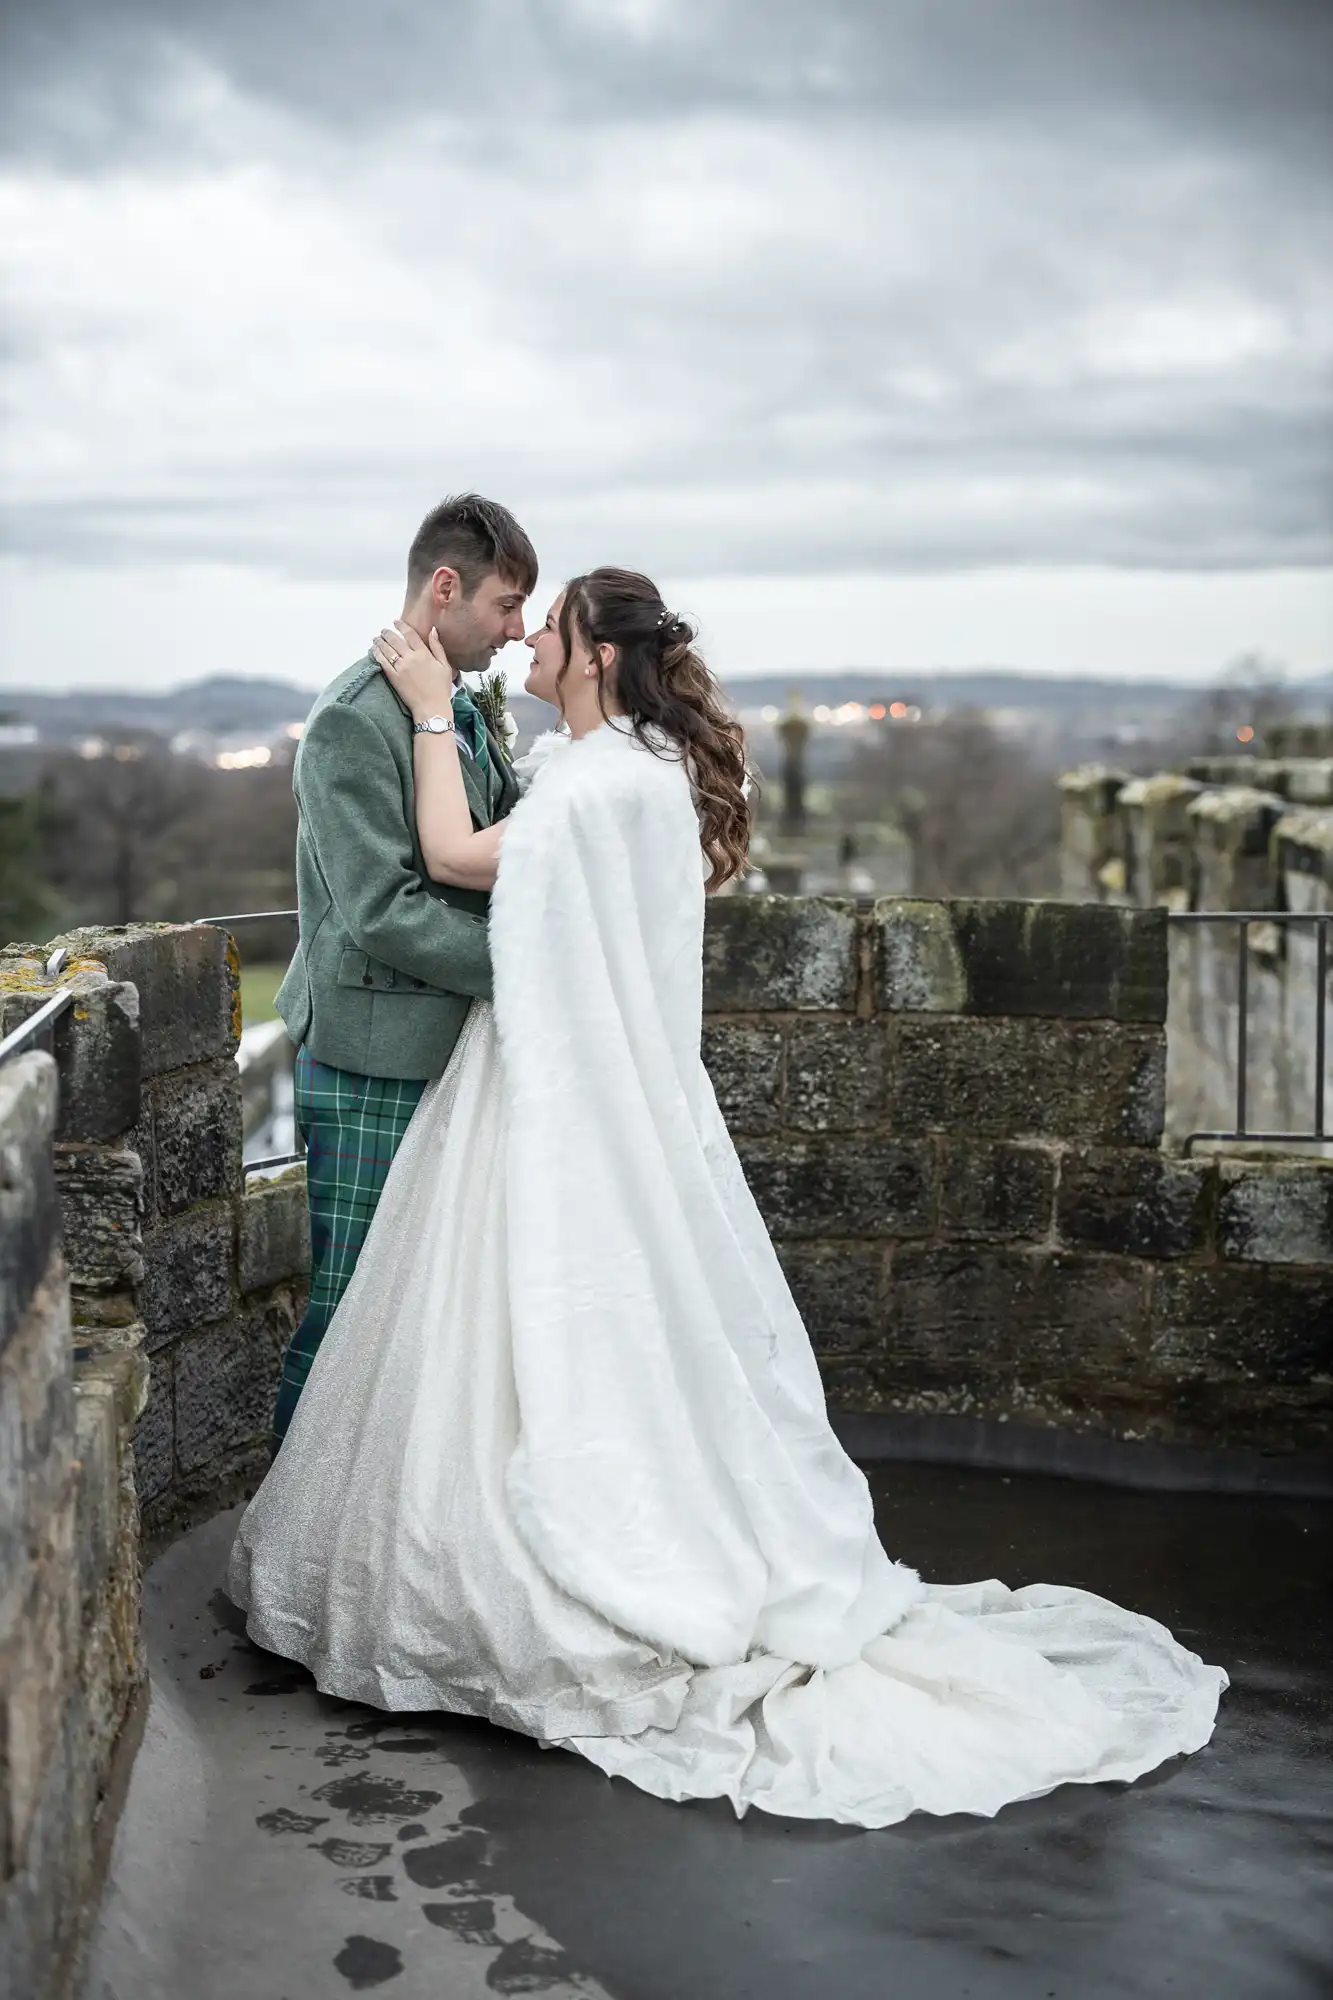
(434, 725)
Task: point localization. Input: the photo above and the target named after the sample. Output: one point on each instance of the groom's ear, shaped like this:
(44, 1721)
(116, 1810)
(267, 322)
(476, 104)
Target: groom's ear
(446, 587)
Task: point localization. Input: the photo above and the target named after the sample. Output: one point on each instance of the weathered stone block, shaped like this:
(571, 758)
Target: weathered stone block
(196, 1135)
(1159, 853)
(188, 982)
(770, 952)
(842, 1187)
(97, 1048)
(1030, 1316)
(101, 1200)
(27, 1183)
(273, 1232)
(46, 1903)
(840, 1294)
(1029, 1080)
(835, 1075)
(1277, 1213)
(36, 1426)
(1231, 845)
(95, 1040)
(745, 1064)
(1262, 1328)
(122, 1369)
(155, 1438)
(1091, 836)
(1073, 961)
(96, 1499)
(37, 1660)
(112, 1665)
(1142, 1204)
(188, 1272)
(139, 1139)
(227, 1381)
(996, 1193)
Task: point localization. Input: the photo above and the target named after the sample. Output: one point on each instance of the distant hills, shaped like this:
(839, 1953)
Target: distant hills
(229, 705)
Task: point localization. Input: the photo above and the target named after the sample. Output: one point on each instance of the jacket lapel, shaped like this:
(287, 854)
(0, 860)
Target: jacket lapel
(501, 785)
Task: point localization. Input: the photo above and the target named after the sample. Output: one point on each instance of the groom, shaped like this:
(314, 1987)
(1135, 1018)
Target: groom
(387, 961)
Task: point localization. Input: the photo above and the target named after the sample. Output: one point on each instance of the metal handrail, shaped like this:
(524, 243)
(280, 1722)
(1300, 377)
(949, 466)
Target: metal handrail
(40, 1023)
(1321, 919)
(225, 923)
(43, 1021)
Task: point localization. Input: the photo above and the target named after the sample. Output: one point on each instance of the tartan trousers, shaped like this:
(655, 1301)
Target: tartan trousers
(352, 1126)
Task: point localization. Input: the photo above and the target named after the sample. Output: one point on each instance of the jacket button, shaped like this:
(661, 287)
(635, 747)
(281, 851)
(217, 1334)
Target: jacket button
(366, 979)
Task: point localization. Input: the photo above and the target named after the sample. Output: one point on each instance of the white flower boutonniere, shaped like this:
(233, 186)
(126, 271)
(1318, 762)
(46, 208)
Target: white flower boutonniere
(492, 698)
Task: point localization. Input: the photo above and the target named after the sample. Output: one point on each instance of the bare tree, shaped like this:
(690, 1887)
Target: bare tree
(981, 812)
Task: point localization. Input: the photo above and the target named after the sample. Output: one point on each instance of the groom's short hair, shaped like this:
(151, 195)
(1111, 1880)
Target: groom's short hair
(474, 536)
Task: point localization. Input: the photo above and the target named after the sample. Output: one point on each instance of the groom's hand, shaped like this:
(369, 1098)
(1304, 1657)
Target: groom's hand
(419, 669)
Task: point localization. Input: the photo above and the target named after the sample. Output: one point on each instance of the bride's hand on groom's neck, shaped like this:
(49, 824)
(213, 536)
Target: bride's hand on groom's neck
(419, 669)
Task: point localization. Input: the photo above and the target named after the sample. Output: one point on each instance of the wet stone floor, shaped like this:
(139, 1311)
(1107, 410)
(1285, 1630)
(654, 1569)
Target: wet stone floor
(279, 1845)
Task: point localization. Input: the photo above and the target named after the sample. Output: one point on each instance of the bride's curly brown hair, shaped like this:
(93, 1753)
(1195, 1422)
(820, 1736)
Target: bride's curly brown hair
(662, 684)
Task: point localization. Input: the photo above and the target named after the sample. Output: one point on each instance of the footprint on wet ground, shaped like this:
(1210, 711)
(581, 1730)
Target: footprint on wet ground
(372, 1888)
(284, 1820)
(352, 1853)
(470, 1922)
(366, 1961)
(524, 1966)
(461, 1859)
(369, 1799)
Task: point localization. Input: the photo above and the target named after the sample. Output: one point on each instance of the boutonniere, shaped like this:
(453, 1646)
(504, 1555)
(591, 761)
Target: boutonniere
(492, 698)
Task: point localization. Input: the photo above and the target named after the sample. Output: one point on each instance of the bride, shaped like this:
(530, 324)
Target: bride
(563, 1460)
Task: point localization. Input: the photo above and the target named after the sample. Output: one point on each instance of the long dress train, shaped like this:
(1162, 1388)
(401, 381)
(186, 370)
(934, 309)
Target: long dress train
(563, 1460)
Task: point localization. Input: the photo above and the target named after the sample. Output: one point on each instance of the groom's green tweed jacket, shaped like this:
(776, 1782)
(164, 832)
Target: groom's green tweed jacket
(387, 960)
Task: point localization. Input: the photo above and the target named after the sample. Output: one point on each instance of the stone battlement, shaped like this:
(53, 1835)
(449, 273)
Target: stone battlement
(1225, 834)
(950, 1114)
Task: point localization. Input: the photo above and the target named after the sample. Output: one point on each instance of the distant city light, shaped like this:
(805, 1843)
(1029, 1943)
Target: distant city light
(294, 730)
(127, 753)
(1245, 734)
(897, 709)
(823, 713)
(770, 714)
(244, 760)
(91, 747)
(877, 711)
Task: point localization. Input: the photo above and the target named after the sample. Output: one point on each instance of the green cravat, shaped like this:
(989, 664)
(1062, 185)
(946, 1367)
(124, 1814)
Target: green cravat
(468, 722)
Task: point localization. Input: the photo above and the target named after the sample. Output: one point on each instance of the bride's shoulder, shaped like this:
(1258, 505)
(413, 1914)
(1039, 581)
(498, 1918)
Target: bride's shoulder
(621, 763)
(539, 755)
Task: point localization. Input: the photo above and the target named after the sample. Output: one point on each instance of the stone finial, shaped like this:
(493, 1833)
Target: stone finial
(1235, 869)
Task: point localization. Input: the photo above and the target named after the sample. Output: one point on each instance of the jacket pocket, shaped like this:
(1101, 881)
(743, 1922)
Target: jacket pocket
(358, 968)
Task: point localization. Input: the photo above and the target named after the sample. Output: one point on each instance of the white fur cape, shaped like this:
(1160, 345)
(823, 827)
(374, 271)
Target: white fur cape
(676, 1468)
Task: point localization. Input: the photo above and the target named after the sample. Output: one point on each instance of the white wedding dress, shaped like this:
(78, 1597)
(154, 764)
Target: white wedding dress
(563, 1460)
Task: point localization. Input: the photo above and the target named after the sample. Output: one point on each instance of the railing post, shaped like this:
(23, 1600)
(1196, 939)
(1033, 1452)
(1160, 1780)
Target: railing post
(1242, 1026)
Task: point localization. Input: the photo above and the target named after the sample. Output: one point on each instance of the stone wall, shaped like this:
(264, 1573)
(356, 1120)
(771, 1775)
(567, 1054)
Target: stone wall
(950, 1115)
(145, 1299)
(71, 1665)
(169, 1253)
(1228, 833)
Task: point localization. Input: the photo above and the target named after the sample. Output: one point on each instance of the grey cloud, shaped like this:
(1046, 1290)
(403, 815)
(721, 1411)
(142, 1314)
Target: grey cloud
(1113, 145)
(1250, 71)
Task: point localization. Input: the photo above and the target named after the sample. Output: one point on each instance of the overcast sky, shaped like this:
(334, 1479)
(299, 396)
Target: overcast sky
(900, 332)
